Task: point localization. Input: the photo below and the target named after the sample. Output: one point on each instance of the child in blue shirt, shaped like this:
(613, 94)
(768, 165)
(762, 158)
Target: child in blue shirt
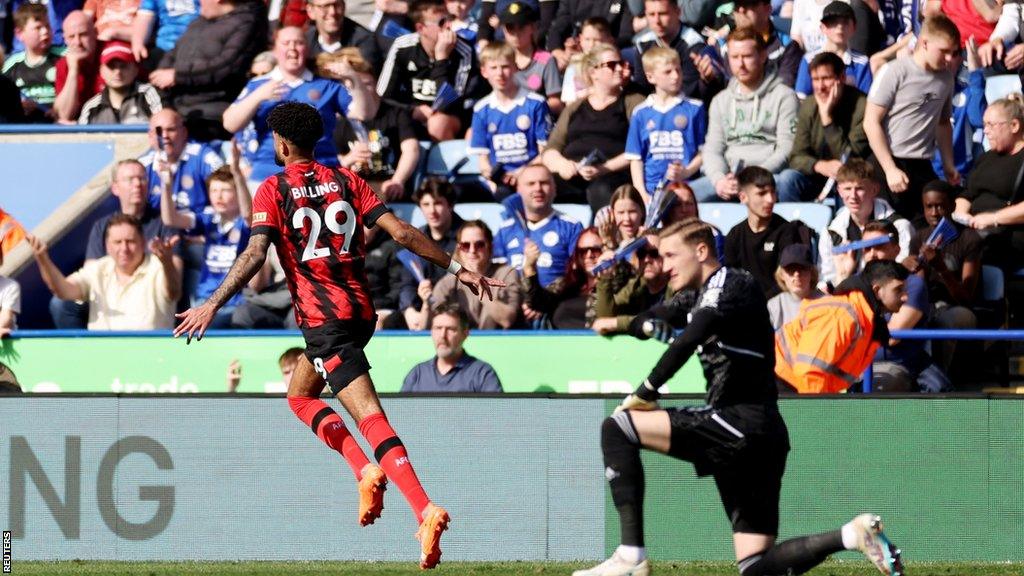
(667, 130)
(225, 230)
(510, 125)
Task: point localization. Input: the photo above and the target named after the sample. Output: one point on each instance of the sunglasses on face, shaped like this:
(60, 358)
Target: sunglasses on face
(647, 253)
(478, 245)
(611, 64)
(589, 250)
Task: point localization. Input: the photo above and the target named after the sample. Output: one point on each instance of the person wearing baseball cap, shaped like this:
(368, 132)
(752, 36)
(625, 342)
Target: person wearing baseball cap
(797, 277)
(125, 100)
(838, 25)
(536, 70)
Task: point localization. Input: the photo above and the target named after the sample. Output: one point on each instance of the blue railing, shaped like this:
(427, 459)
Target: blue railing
(1006, 335)
(1010, 335)
(262, 333)
(73, 128)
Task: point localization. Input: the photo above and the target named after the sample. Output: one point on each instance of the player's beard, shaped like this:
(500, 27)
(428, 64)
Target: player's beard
(278, 159)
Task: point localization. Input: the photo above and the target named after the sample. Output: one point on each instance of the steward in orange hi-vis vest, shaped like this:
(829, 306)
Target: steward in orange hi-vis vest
(832, 341)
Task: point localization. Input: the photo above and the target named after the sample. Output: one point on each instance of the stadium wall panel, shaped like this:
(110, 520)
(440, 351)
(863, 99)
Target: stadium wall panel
(573, 362)
(242, 478)
(224, 478)
(946, 474)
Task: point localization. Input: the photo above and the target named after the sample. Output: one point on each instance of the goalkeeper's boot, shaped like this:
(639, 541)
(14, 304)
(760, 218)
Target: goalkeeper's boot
(371, 494)
(873, 542)
(435, 521)
(617, 566)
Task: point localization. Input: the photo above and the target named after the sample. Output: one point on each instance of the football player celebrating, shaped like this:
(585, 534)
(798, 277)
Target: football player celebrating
(314, 215)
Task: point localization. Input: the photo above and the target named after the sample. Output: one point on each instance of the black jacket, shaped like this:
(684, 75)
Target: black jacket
(693, 85)
(11, 111)
(412, 77)
(572, 13)
(383, 271)
(784, 56)
(369, 44)
(211, 60)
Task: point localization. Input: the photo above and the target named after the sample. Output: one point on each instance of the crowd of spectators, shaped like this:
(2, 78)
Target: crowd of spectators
(879, 109)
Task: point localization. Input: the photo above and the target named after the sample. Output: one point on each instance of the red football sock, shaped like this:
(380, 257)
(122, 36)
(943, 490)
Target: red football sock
(390, 452)
(329, 427)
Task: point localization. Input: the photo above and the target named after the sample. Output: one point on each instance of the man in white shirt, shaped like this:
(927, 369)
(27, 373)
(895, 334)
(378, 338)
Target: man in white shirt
(127, 289)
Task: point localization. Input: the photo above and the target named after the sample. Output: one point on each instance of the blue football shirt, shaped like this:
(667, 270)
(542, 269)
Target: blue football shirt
(555, 235)
(195, 165)
(662, 135)
(330, 98)
(510, 135)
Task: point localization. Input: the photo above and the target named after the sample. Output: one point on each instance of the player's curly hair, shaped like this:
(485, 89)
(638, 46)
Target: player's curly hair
(297, 123)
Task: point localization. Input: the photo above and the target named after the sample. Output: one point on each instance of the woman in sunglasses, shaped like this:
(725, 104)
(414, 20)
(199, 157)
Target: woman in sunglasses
(566, 301)
(586, 149)
(473, 248)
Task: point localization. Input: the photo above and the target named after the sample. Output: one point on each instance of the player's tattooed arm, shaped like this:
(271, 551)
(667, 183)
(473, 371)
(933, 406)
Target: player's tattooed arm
(195, 321)
(418, 243)
(245, 267)
(412, 239)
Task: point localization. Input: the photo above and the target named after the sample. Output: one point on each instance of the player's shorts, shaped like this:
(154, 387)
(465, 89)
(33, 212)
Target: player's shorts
(336, 350)
(744, 447)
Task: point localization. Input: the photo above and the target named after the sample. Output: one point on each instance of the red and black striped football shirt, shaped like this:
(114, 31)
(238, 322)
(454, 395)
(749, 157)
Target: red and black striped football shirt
(315, 214)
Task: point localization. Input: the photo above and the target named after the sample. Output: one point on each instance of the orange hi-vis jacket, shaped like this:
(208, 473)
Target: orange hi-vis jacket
(828, 346)
(11, 233)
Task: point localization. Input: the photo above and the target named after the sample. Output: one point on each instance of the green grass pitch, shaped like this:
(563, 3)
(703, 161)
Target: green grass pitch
(465, 568)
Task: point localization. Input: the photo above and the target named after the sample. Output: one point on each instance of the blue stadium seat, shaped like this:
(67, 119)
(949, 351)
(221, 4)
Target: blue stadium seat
(445, 158)
(449, 160)
(993, 287)
(489, 212)
(405, 210)
(816, 216)
(723, 215)
(580, 212)
(1000, 86)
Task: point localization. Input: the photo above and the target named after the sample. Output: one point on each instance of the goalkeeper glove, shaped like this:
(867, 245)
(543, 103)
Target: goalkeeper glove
(645, 398)
(658, 329)
(634, 402)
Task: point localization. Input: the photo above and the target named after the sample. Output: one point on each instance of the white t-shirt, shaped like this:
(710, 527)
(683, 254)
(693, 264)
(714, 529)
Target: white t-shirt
(10, 296)
(141, 304)
(807, 24)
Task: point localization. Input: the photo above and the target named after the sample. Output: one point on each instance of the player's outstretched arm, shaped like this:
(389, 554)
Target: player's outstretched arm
(195, 321)
(418, 243)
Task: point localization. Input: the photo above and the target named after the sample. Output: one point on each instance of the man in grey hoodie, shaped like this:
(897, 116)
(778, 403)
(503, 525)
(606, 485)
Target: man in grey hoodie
(751, 123)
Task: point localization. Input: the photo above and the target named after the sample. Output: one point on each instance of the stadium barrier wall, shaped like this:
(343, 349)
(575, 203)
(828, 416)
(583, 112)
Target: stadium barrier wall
(238, 478)
(527, 361)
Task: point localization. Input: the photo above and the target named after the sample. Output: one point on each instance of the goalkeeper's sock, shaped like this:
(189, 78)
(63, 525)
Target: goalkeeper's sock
(621, 447)
(390, 452)
(794, 556)
(329, 427)
(634, 554)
